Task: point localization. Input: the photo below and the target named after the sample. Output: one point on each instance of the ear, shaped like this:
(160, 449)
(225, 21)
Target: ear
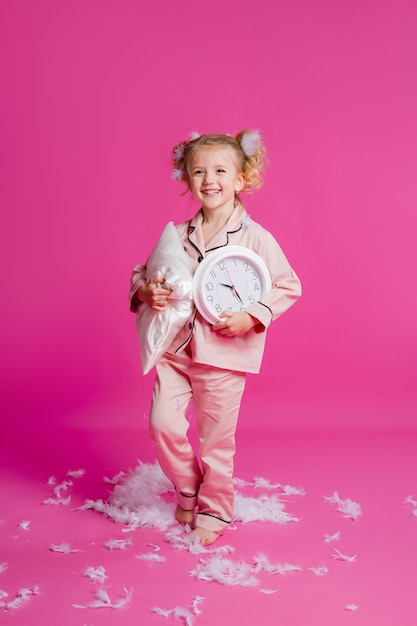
(240, 183)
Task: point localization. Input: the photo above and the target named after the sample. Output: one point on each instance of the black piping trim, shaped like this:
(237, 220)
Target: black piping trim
(215, 516)
(267, 307)
(191, 327)
(200, 256)
(188, 496)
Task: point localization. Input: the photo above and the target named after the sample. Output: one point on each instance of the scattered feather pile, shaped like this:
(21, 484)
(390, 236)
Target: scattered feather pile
(137, 500)
(225, 572)
(347, 507)
(262, 509)
(23, 596)
(102, 601)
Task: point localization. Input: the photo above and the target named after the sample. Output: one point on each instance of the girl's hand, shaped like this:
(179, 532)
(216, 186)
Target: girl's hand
(153, 295)
(237, 323)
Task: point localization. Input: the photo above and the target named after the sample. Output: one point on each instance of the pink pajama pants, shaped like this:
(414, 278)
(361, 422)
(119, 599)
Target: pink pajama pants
(207, 482)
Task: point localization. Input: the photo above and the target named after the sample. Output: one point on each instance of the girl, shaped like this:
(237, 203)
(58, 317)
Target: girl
(209, 362)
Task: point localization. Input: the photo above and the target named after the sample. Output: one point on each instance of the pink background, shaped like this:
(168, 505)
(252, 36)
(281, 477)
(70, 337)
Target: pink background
(94, 96)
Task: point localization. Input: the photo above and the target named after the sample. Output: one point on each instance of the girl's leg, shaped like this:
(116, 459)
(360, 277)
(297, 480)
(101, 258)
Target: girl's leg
(168, 428)
(218, 394)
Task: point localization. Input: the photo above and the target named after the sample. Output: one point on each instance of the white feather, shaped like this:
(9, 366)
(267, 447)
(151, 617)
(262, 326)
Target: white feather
(184, 613)
(24, 525)
(335, 537)
(21, 599)
(321, 570)
(262, 563)
(96, 574)
(102, 600)
(343, 557)
(76, 473)
(115, 480)
(351, 607)
(64, 548)
(57, 501)
(3, 567)
(118, 544)
(347, 507)
(151, 556)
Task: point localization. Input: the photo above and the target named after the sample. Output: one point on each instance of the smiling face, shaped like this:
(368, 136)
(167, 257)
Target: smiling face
(215, 179)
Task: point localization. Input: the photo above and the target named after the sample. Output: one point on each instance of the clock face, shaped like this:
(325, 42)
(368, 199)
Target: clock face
(229, 279)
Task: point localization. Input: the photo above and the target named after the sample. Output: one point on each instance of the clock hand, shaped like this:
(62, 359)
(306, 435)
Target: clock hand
(235, 291)
(224, 285)
(236, 294)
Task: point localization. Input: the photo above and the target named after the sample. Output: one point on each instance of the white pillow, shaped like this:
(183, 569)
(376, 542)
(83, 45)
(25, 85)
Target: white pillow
(156, 330)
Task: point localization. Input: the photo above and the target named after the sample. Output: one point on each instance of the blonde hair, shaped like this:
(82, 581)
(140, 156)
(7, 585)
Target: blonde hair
(248, 149)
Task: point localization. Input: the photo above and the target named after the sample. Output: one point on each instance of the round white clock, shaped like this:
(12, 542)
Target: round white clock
(229, 279)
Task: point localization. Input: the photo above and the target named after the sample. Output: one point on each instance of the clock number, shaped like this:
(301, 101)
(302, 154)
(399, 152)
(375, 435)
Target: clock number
(256, 287)
(210, 298)
(222, 265)
(213, 274)
(251, 300)
(209, 286)
(218, 308)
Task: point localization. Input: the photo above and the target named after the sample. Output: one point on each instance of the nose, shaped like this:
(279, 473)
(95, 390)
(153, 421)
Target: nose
(208, 178)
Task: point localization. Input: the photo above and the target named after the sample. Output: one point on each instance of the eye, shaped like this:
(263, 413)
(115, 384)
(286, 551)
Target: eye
(220, 170)
(198, 172)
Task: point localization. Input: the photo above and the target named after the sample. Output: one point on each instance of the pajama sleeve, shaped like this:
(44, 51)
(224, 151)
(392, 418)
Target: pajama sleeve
(286, 286)
(138, 278)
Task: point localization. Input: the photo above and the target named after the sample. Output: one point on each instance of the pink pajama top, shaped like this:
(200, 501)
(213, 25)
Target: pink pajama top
(242, 353)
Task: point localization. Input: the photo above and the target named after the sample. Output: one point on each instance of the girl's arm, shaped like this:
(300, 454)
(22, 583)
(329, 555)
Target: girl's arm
(155, 296)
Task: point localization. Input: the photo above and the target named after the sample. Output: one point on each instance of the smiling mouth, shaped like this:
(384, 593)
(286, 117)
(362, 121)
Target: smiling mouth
(211, 192)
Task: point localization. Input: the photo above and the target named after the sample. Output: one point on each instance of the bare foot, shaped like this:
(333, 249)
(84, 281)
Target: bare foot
(203, 536)
(184, 517)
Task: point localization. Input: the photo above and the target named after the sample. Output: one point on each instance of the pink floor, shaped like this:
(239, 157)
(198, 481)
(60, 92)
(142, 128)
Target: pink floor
(378, 470)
